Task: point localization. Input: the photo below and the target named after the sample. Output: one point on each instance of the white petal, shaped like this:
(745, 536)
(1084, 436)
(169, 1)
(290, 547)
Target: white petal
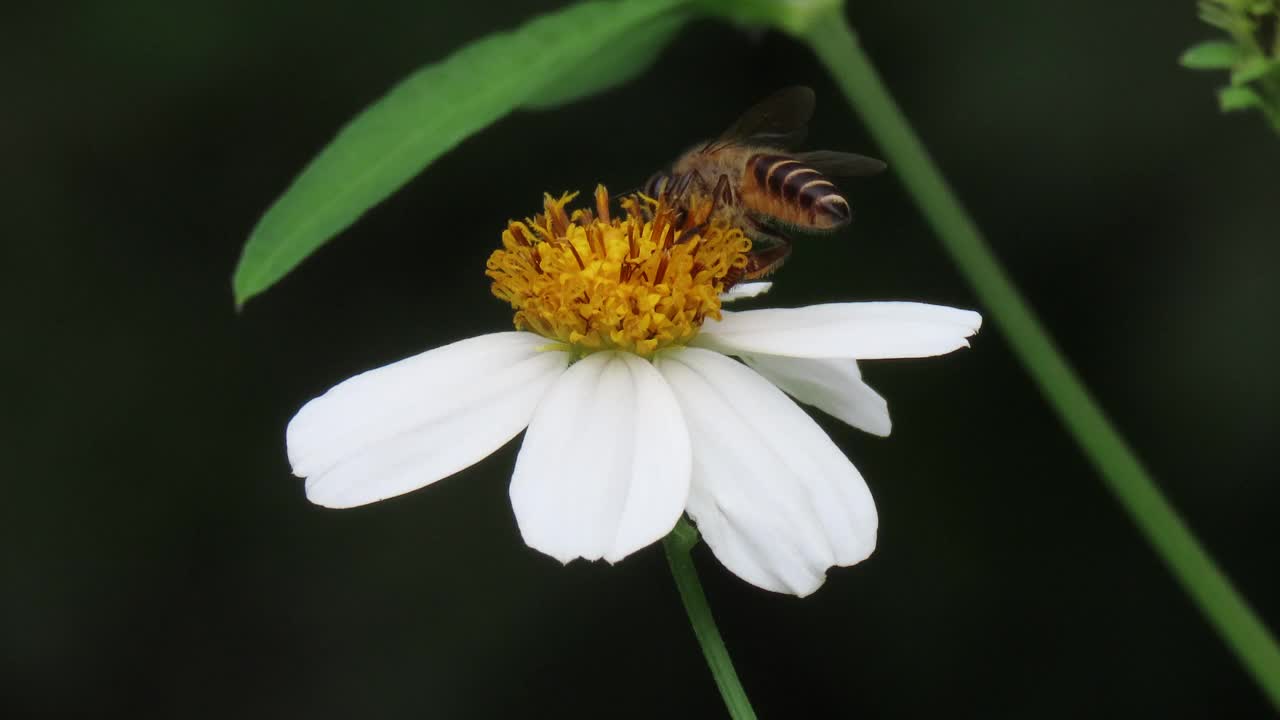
(745, 290)
(865, 331)
(401, 427)
(604, 469)
(774, 498)
(833, 386)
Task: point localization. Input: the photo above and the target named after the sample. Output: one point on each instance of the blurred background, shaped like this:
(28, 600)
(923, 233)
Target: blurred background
(158, 556)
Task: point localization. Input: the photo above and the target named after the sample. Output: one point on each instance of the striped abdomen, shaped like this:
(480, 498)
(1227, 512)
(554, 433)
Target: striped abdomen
(787, 190)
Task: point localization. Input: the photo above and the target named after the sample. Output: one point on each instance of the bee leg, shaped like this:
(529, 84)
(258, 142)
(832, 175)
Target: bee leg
(767, 260)
(724, 191)
(677, 198)
(772, 253)
(769, 250)
(701, 181)
(686, 183)
(733, 277)
(689, 229)
(722, 194)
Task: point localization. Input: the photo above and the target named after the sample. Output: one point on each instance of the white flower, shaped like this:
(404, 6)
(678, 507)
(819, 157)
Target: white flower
(618, 445)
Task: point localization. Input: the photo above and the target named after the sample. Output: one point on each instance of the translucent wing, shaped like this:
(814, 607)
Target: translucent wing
(841, 164)
(779, 120)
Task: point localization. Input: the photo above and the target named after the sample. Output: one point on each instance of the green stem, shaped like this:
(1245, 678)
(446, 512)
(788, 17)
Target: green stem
(678, 543)
(835, 43)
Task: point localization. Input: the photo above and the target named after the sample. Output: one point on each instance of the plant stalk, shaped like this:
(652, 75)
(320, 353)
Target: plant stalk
(677, 544)
(1227, 612)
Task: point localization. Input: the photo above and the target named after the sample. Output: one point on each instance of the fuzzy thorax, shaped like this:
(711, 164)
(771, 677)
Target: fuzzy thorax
(638, 283)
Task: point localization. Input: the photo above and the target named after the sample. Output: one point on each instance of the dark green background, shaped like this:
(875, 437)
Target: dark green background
(159, 557)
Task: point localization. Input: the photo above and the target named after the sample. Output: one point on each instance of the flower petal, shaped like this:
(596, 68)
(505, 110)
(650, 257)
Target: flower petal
(865, 331)
(775, 499)
(404, 426)
(745, 290)
(604, 469)
(833, 386)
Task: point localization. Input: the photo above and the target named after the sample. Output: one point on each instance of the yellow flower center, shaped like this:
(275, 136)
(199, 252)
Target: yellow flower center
(638, 283)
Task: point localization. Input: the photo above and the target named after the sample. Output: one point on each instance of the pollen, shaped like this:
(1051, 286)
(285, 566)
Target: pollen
(639, 280)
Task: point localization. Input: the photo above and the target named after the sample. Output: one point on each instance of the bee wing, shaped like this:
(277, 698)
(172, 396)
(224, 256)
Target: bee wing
(779, 120)
(841, 164)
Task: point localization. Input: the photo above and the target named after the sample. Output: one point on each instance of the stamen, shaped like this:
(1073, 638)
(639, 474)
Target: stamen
(602, 204)
(559, 221)
(595, 236)
(639, 282)
(576, 256)
(659, 228)
(662, 269)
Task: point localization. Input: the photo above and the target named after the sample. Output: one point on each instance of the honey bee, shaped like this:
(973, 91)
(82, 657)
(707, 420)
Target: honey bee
(760, 185)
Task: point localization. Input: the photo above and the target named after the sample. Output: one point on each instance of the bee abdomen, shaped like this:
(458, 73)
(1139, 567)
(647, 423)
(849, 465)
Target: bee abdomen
(802, 191)
(829, 207)
(771, 170)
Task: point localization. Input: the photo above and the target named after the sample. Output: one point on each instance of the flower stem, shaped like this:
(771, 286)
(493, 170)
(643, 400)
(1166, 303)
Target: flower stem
(677, 544)
(837, 46)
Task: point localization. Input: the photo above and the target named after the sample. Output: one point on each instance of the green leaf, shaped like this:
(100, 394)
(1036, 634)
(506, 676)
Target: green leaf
(613, 66)
(1211, 55)
(1253, 69)
(423, 117)
(1231, 99)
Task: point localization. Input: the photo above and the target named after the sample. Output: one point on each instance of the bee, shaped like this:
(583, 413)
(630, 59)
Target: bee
(761, 186)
